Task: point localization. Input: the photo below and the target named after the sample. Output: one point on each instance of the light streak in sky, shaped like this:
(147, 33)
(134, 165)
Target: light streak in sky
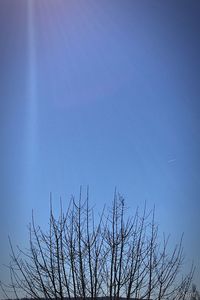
(32, 102)
(32, 82)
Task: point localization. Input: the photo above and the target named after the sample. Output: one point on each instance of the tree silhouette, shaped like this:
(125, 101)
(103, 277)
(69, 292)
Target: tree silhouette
(82, 256)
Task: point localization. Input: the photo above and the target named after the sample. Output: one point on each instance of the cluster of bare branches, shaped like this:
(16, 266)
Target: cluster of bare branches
(116, 256)
(195, 295)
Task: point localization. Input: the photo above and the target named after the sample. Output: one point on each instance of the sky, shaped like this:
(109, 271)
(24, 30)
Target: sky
(105, 94)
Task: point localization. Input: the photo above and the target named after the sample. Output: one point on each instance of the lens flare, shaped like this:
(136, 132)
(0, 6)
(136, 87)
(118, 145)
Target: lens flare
(32, 100)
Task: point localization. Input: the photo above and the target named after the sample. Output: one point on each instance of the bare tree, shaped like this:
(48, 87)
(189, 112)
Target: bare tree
(117, 256)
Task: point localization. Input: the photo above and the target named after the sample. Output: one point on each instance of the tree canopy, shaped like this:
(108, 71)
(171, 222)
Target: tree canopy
(84, 256)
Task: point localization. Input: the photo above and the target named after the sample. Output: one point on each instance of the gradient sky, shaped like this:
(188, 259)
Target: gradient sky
(105, 94)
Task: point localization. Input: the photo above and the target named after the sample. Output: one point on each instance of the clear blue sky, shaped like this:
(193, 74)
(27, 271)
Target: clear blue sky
(100, 93)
